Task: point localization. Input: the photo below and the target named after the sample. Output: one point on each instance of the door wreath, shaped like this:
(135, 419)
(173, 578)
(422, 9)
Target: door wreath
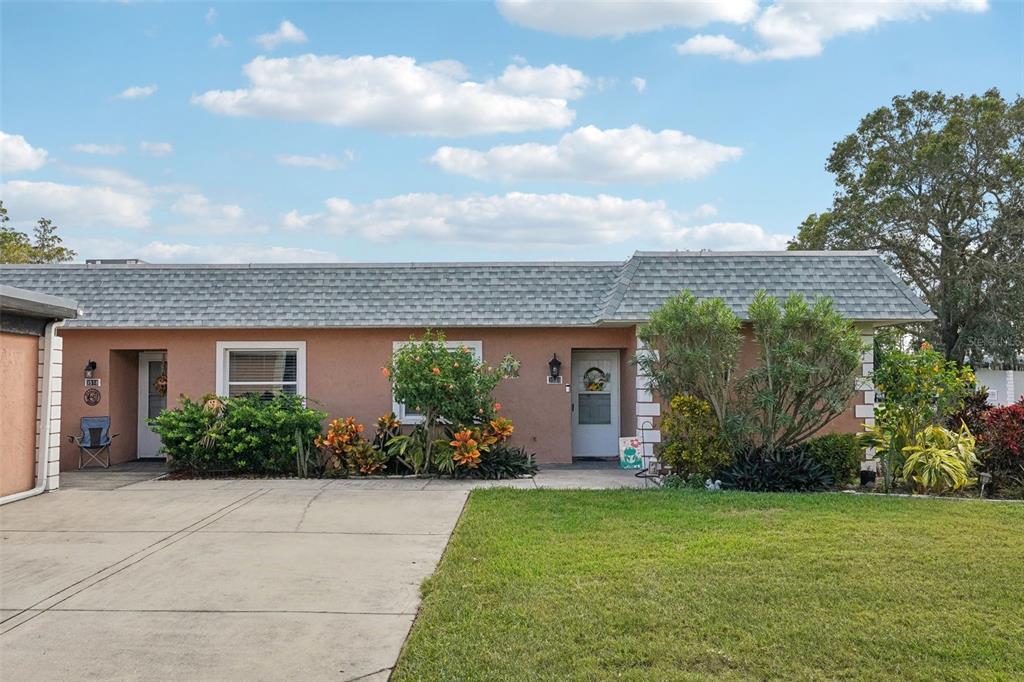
(595, 379)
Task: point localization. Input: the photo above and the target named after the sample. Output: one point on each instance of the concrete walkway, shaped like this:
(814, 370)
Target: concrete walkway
(119, 578)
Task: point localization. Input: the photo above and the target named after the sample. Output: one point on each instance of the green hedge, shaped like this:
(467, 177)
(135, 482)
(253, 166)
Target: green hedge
(237, 435)
(840, 454)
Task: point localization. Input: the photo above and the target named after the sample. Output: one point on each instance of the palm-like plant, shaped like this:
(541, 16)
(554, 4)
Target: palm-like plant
(940, 460)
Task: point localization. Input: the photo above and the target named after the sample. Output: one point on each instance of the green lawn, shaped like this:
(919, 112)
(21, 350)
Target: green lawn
(690, 585)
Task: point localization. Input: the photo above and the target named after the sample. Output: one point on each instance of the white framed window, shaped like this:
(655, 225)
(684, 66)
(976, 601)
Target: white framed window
(409, 415)
(261, 367)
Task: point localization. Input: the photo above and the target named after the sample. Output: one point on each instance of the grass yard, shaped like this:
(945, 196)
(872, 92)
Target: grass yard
(690, 585)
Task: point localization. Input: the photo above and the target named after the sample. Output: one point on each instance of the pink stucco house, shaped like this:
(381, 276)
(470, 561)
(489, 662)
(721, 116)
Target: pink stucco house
(324, 330)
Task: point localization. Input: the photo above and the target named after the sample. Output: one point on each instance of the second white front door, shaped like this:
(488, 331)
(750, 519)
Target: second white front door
(152, 400)
(595, 403)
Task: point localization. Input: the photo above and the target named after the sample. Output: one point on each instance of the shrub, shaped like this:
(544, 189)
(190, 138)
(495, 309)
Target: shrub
(349, 452)
(940, 460)
(237, 435)
(677, 482)
(465, 450)
(917, 390)
(971, 413)
(504, 461)
(341, 435)
(696, 346)
(809, 360)
(840, 454)
(366, 460)
(692, 442)
(1001, 445)
(762, 470)
(449, 388)
(922, 385)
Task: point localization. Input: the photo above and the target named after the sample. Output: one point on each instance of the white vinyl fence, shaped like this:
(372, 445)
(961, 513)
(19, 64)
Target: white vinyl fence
(1005, 387)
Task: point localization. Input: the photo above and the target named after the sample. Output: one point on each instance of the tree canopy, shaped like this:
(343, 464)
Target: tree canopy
(935, 183)
(17, 247)
(804, 375)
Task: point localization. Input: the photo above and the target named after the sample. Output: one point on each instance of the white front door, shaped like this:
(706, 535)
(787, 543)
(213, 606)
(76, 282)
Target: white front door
(595, 403)
(152, 399)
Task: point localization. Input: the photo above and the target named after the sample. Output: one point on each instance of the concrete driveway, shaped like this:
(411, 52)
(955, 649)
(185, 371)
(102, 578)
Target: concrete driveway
(217, 580)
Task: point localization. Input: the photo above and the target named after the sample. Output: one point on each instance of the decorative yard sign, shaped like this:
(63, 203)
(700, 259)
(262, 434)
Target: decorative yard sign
(630, 456)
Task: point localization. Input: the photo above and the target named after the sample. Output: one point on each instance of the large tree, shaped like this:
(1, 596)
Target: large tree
(16, 247)
(936, 185)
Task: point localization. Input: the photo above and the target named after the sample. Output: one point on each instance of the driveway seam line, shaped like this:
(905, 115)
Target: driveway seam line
(184, 533)
(375, 672)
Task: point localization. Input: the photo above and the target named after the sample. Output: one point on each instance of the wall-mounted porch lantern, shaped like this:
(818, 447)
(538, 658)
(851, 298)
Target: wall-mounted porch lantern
(554, 369)
(90, 367)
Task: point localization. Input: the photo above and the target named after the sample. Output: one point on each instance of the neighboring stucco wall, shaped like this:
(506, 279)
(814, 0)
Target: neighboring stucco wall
(343, 375)
(18, 367)
(21, 390)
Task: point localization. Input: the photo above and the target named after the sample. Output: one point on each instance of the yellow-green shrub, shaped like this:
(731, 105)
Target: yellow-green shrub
(692, 443)
(940, 460)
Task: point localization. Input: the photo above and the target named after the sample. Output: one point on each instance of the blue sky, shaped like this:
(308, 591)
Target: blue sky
(228, 132)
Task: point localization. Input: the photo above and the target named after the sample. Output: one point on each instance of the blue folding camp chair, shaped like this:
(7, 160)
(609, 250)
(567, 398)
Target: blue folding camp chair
(94, 443)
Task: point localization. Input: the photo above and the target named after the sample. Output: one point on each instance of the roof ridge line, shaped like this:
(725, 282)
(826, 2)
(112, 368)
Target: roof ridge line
(783, 252)
(916, 302)
(613, 298)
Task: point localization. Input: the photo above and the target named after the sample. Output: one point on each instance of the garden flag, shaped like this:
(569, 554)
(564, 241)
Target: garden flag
(630, 456)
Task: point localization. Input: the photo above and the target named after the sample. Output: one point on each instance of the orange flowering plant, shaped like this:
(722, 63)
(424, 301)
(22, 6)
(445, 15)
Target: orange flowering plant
(467, 449)
(448, 385)
(469, 445)
(348, 451)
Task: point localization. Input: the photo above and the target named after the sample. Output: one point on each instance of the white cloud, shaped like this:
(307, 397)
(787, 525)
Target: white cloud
(286, 32)
(219, 41)
(78, 206)
(590, 154)
(724, 237)
(17, 155)
(592, 18)
(516, 219)
(211, 15)
(554, 80)
(322, 161)
(137, 92)
(169, 251)
(155, 148)
(452, 68)
(111, 198)
(99, 149)
(716, 46)
(639, 83)
(163, 252)
(788, 30)
(111, 177)
(391, 94)
(207, 217)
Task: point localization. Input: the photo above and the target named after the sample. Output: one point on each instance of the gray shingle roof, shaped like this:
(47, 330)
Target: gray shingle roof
(457, 294)
(862, 286)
